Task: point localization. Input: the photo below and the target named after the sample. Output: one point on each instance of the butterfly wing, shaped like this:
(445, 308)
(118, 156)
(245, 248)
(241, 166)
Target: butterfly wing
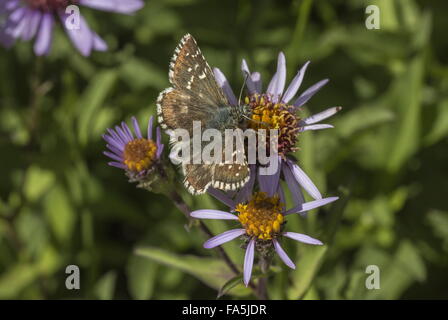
(195, 95)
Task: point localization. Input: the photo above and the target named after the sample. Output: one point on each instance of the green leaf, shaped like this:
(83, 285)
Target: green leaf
(211, 271)
(60, 214)
(105, 286)
(91, 102)
(311, 258)
(142, 276)
(37, 182)
(236, 281)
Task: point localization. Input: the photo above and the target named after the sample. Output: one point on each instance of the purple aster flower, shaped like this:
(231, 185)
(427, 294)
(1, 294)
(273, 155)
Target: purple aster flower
(272, 110)
(28, 19)
(262, 219)
(137, 155)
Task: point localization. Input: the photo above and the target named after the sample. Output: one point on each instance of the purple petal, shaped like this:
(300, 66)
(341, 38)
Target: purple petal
(213, 214)
(245, 193)
(17, 15)
(304, 180)
(82, 38)
(221, 196)
(33, 25)
(113, 142)
(159, 142)
(117, 164)
(122, 134)
(279, 85)
(249, 261)
(321, 115)
(150, 123)
(304, 97)
(223, 238)
(224, 84)
(116, 136)
(269, 183)
(295, 84)
(281, 194)
(127, 131)
(256, 79)
(271, 85)
(137, 131)
(42, 44)
(251, 87)
(316, 127)
(119, 6)
(302, 238)
(112, 156)
(311, 205)
(98, 43)
(118, 152)
(282, 254)
(293, 186)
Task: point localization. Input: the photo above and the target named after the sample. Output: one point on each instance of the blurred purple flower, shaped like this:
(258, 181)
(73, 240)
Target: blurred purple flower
(272, 105)
(261, 215)
(28, 19)
(136, 155)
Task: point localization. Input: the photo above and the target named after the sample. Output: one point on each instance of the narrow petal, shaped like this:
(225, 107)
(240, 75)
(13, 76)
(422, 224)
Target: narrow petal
(321, 115)
(31, 29)
(295, 84)
(119, 6)
(311, 205)
(256, 79)
(251, 87)
(279, 86)
(282, 254)
(293, 186)
(150, 123)
(224, 84)
(223, 238)
(98, 43)
(314, 127)
(117, 164)
(127, 131)
(249, 261)
(82, 38)
(221, 196)
(159, 141)
(213, 214)
(271, 85)
(302, 238)
(304, 180)
(137, 131)
(112, 156)
(269, 183)
(42, 44)
(116, 136)
(123, 135)
(281, 194)
(246, 192)
(113, 142)
(304, 97)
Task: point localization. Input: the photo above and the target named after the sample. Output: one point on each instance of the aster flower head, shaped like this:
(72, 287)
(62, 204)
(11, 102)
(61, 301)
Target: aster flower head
(261, 217)
(272, 109)
(28, 19)
(138, 156)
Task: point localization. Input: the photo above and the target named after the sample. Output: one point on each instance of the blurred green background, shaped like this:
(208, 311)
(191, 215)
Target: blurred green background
(387, 158)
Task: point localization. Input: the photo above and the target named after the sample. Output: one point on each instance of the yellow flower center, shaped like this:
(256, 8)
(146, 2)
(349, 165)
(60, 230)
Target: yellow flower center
(262, 216)
(139, 154)
(269, 115)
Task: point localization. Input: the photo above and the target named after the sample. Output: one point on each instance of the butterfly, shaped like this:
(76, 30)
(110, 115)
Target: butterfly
(196, 96)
